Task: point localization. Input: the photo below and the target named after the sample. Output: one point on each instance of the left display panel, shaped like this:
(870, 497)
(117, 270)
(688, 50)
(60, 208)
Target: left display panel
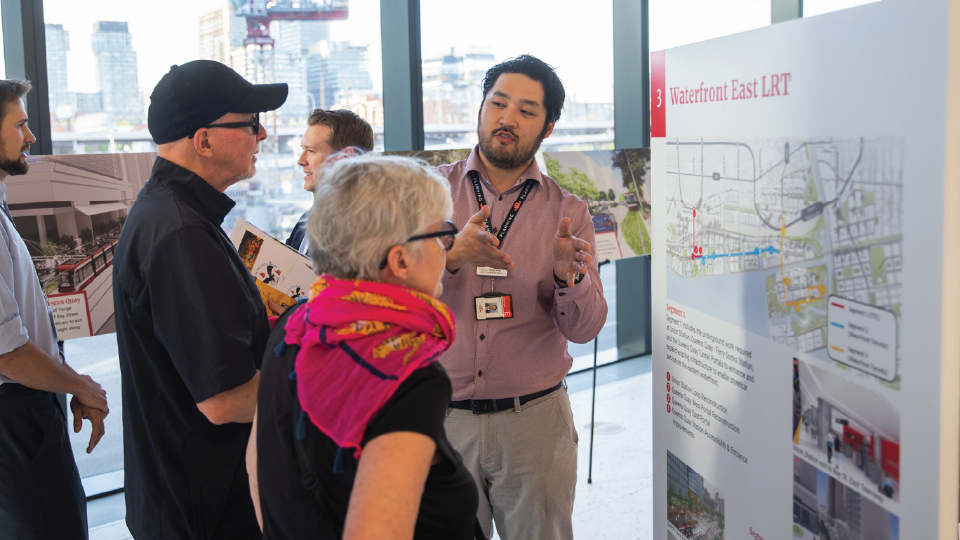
(69, 210)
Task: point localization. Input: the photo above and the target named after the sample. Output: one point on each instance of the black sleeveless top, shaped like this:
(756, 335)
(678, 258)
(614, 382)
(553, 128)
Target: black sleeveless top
(290, 510)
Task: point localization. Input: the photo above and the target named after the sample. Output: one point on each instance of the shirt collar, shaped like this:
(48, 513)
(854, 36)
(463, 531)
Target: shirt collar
(203, 197)
(474, 164)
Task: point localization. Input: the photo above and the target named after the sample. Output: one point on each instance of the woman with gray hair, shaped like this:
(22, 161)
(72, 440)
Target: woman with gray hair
(348, 440)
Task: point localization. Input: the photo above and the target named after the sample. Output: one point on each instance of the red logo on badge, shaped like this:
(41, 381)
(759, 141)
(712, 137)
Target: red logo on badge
(516, 206)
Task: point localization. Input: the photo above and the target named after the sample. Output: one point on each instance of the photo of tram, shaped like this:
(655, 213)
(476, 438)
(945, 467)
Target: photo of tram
(69, 210)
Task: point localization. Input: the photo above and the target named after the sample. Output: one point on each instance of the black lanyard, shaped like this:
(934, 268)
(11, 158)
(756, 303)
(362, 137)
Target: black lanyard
(507, 221)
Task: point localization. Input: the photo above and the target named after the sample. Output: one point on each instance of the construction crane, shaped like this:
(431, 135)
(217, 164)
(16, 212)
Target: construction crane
(259, 14)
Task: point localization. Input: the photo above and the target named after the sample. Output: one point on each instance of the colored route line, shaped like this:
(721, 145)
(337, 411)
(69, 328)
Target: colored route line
(838, 349)
(814, 292)
(698, 250)
(755, 251)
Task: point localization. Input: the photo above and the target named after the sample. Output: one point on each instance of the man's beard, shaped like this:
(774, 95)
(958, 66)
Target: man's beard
(15, 167)
(502, 158)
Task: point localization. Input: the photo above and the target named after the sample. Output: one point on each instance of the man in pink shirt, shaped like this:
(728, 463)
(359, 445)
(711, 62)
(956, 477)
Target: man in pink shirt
(522, 280)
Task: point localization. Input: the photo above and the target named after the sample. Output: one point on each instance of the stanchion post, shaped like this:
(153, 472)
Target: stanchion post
(593, 400)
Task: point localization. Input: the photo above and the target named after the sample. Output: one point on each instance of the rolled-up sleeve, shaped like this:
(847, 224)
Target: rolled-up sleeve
(581, 312)
(13, 334)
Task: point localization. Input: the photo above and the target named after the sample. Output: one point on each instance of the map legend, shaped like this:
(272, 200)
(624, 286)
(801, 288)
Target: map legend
(862, 336)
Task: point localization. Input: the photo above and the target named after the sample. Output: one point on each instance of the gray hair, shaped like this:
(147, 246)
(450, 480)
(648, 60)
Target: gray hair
(368, 204)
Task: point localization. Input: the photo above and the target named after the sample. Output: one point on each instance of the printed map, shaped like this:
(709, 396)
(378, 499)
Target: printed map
(805, 234)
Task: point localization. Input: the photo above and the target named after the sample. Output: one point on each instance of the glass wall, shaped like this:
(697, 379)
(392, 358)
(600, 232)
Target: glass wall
(461, 40)
(819, 7)
(3, 66)
(104, 59)
(678, 22)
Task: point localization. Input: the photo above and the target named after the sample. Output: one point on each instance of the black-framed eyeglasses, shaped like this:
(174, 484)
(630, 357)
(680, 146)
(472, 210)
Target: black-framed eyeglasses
(447, 234)
(254, 125)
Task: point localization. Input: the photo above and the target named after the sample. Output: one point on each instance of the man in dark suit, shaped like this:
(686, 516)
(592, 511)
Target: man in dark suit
(328, 133)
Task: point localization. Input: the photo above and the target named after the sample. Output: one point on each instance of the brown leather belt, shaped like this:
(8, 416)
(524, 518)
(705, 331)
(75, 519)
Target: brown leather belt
(486, 406)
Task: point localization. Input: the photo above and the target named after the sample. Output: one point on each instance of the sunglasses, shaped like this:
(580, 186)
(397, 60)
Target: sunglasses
(254, 125)
(447, 234)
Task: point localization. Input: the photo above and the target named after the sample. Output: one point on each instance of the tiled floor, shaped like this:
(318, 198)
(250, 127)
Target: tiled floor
(616, 505)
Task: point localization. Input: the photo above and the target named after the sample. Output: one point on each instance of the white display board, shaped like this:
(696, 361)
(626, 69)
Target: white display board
(804, 268)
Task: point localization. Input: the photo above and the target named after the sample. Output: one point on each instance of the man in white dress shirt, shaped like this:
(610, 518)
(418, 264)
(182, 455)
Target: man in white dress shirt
(40, 492)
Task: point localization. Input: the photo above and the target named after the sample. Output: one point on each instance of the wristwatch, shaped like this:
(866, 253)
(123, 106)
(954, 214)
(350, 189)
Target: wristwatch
(577, 278)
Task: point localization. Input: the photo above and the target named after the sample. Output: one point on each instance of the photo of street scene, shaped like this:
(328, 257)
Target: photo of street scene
(852, 432)
(826, 509)
(69, 210)
(615, 184)
(695, 507)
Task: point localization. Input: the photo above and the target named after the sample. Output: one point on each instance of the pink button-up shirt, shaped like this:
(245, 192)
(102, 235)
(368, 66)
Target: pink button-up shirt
(503, 358)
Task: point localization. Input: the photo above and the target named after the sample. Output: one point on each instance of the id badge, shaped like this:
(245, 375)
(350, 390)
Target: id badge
(494, 307)
(489, 271)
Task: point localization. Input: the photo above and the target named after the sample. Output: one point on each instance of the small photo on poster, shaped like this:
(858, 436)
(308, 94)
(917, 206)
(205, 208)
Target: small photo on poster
(249, 248)
(695, 507)
(824, 507)
(848, 430)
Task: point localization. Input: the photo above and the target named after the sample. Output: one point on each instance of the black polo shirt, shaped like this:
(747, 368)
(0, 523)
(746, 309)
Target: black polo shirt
(190, 325)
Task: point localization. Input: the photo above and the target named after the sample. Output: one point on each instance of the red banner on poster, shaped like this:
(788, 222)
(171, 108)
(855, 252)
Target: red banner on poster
(658, 94)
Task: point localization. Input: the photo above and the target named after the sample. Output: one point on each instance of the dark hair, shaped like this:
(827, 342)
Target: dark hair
(536, 69)
(346, 127)
(12, 90)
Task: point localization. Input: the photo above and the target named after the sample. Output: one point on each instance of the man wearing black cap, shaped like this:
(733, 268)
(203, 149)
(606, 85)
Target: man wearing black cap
(190, 348)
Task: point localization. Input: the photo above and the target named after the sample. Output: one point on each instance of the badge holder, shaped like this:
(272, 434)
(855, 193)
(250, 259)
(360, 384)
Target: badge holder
(493, 305)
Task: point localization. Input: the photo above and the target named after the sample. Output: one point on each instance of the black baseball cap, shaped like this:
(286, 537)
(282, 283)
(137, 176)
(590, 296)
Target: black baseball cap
(193, 95)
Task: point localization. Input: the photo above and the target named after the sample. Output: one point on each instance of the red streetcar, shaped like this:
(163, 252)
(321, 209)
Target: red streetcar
(75, 273)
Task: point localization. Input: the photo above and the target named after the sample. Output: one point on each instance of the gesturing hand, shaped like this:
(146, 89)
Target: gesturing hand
(570, 254)
(474, 245)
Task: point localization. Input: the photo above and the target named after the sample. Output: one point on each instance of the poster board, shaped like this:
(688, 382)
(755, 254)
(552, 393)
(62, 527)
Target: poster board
(282, 274)
(69, 210)
(803, 280)
(614, 183)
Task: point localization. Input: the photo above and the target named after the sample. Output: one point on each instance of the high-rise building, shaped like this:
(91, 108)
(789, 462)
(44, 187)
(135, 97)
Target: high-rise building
(296, 37)
(221, 31)
(62, 102)
(451, 85)
(116, 68)
(337, 70)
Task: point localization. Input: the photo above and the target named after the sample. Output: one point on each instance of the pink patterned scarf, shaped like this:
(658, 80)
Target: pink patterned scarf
(359, 341)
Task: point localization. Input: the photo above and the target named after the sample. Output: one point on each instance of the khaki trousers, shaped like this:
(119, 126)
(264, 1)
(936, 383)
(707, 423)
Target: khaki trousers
(525, 466)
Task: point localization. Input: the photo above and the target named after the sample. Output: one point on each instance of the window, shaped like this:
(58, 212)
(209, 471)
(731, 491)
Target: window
(3, 66)
(819, 7)
(679, 22)
(105, 58)
(461, 40)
